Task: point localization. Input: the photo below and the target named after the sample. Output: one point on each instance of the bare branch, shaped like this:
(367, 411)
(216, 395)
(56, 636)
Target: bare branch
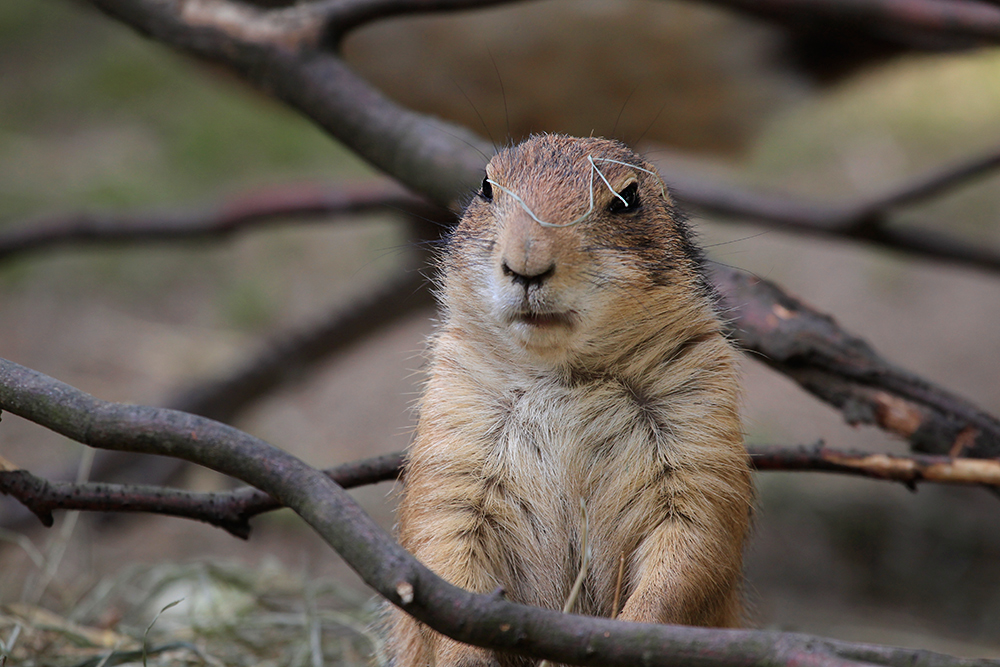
(906, 469)
(286, 358)
(344, 16)
(279, 205)
(232, 510)
(280, 52)
(863, 221)
(927, 24)
(843, 370)
(229, 510)
(292, 352)
(483, 620)
(932, 184)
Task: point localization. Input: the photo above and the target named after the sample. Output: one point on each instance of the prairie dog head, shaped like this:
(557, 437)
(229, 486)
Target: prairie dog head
(572, 248)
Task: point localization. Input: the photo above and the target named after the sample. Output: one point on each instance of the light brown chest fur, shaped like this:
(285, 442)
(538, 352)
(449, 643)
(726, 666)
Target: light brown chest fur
(578, 366)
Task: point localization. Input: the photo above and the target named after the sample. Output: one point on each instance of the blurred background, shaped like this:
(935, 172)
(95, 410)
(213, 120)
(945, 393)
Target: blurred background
(94, 118)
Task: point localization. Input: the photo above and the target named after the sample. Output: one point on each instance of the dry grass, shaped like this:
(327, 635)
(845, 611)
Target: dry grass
(197, 614)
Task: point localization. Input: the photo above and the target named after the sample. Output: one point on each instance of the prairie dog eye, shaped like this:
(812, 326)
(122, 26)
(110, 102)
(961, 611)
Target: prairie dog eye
(487, 191)
(627, 199)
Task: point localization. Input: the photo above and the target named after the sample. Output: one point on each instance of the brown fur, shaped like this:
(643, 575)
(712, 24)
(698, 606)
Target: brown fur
(577, 363)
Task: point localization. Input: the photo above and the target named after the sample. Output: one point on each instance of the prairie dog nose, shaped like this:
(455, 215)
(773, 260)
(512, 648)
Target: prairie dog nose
(528, 252)
(526, 280)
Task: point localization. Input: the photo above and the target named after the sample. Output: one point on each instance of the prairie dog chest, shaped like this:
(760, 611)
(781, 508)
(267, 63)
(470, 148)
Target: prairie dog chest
(575, 437)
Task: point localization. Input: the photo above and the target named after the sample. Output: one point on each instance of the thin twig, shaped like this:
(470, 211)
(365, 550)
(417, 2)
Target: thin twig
(618, 585)
(289, 354)
(279, 205)
(229, 510)
(861, 221)
(906, 469)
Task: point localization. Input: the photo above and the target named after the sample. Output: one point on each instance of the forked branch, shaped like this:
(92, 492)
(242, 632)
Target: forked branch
(844, 371)
(866, 220)
(229, 510)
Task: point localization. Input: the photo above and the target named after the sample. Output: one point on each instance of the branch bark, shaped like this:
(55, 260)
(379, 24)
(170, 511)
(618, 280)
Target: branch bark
(844, 371)
(483, 620)
(909, 470)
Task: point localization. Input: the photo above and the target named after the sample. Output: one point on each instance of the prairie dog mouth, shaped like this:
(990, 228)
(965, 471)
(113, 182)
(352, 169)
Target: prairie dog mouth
(544, 320)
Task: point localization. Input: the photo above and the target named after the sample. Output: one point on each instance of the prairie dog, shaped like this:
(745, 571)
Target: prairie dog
(579, 359)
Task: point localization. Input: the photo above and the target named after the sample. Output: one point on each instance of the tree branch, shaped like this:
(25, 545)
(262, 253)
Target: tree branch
(291, 353)
(863, 221)
(926, 24)
(344, 16)
(483, 620)
(282, 53)
(844, 371)
(932, 184)
(906, 469)
(279, 205)
(232, 510)
(229, 510)
(286, 358)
